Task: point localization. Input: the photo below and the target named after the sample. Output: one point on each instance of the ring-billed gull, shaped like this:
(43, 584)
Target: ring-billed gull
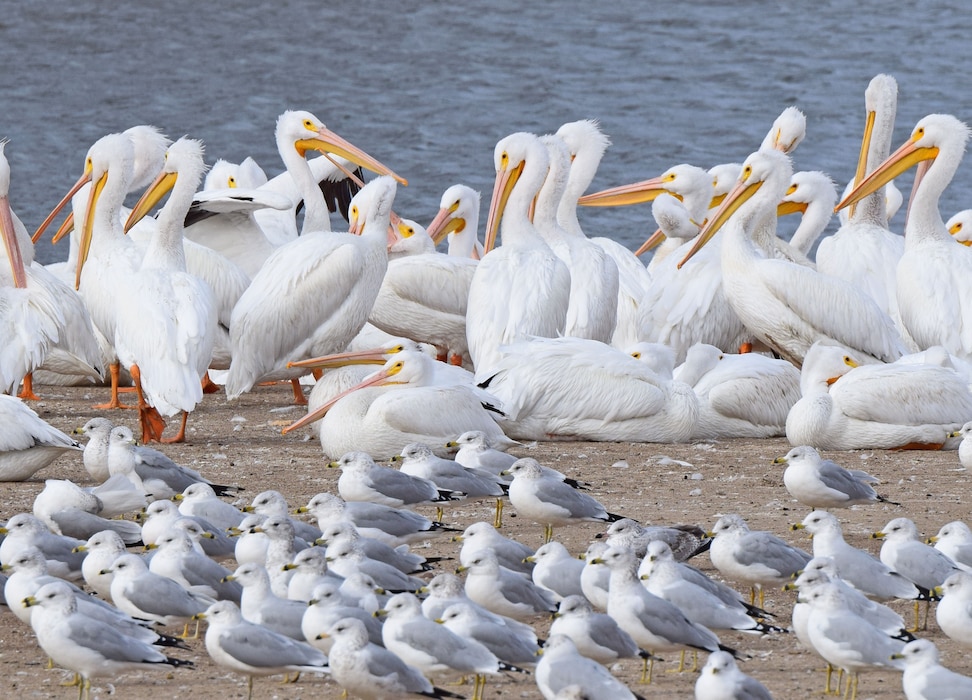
(86, 646)
(549, 501)
(251, 542)
(363, 480)
(654, 624)
(561, 665)
(261, 606)
(100, 551)
(822, 483)
(28, 443)
(954, 540)
(482, 535)
(272, 503)
(685, 541)
(475, 451)
(857, 567)
(211, 542)
(200, 500)
(69, 510)
(954, 611)
(721, 679)
(595, 578)
(557, 570)
(24, 530)
(392, 525)
(755, 557)
(252, 649)
(400, 557)
(326, 607)
(432, 648)
(282, 546)
(370, 671)
(142, 594)
(502, 591)
(346, 557)
(513, 645)
(309, 569)
(176, 558)
(965, 447)
(925, 678)
(595, 635)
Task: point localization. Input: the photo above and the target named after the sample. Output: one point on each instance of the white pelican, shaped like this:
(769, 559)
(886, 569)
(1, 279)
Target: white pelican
(787, 132)
(380, 419)
(863, 251)
(166, 324)
(413, 239)
(813, 194)
(27, 443)
(960, 227)
(785, 305)
(312, 295)
(934, 276)
(520, 289)
(592, 308)
(876, 406)
(747, 395)
(587, 144)
(579, 389)
(458, 221)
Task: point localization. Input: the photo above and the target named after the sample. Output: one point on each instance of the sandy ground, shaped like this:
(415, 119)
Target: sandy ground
(240, 443)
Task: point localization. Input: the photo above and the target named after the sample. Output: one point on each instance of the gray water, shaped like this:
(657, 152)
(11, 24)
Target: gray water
(428, 88)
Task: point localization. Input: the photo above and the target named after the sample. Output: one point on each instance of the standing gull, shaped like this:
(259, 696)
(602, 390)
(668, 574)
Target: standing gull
(561, 665)
(822, 483)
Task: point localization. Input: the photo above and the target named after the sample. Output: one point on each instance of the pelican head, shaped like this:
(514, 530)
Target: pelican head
(184, 159)
(511, 157)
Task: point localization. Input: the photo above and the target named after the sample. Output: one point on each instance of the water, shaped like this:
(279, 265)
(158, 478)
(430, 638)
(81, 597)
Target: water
(428, 88)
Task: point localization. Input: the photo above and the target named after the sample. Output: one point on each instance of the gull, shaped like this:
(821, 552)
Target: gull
(822, 483)
(86, 646)
(755, 557)
(502, 591)
(954, 611)
(272, 503)
(654, 623)
(67, 509)
(431, 647)
(346, 557)
(211, 542)
(100, 552)
(95, 457)
(176, 558)
(200, 500)
(595, 578)
(846, 640)
(549, 501)
(360, 589)
(326, 607)
(442, 591)
(261, 606)
(24, 530)
(28, 443)
(281, 550)
(557, 570)
(595, 635)
(309, 570)
(856, 567)
(721, 679)
(399, 557)
(965, 447)
(476, 452)
(954, 540)
(685, 541)
(561, 665)
(251, 542)
(482, 535)
(924, 677)
(391, 525)
(160, 516)
(147, 596)
(369, 671)
(252, 649)
(363, 480)
(512, 646)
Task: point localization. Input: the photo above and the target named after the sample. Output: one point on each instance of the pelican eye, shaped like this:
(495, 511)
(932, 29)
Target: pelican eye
(670, 177)
(309, 124)
(746, 172)
(793, 188)
(231, 181)
(504, 159)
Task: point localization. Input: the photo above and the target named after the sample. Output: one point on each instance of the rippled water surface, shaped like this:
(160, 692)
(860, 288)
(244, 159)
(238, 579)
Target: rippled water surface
(430, 87)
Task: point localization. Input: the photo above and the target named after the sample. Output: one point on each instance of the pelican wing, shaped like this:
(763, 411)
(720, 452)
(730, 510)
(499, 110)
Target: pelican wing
(904, 394)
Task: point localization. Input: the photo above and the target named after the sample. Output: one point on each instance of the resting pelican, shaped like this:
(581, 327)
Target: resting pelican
(587, 145)
(312, 295)
(960, 227)
(785, 305)
(813, 194)
(458, 221)
(27, 443)
(863, 251)
(934, 276)
(400, 404)
(747, 395)
(167, 320)
(847, 406)
(579, 389)
(520, 289)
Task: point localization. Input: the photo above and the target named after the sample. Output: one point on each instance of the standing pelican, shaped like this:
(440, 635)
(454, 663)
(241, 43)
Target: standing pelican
(520, 289)
(167, 321)
(863, 251)
(813, 194)
(785, 305)
(934, 276)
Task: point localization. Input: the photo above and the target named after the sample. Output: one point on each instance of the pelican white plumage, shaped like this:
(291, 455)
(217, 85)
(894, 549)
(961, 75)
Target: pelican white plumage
(960, 227)
(875, 406)
(579, 389)
(169, 361)
(747, 395)
(312, 295)
(458, 221)
(401, 404)
(934, 276)
(27, 443)
(864, 251)
(785, 305)
(592, 306)
(520, 289)
(813, 194)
